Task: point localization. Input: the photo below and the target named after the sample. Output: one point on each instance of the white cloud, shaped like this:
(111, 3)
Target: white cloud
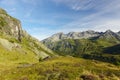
(114, 25)
(106, 17)
(81, 4)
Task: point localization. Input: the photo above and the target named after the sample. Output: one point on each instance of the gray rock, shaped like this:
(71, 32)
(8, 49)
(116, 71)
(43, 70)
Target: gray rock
(12, 35)
(110, 35)
(72, 35)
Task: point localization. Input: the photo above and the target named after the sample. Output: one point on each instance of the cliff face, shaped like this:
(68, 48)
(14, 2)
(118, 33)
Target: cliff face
(10, 26)
(13, 39)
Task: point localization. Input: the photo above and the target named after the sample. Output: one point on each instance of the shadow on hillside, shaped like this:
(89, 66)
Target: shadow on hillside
(113, 49)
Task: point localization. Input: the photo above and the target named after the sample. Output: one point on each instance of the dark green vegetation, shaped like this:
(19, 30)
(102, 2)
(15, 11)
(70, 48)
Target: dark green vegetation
(63, 68)
(105, 47)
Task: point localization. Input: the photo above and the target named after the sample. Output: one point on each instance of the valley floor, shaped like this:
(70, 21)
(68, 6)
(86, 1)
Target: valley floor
(61, 68)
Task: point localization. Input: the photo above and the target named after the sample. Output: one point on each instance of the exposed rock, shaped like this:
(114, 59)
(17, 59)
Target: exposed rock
(10, 26)
(72, 35)
(12, 36)
(81, 35)
(8, 45)
(109, 35)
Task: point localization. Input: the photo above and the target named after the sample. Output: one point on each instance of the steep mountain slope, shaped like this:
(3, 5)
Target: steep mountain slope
(93, 44)
(119, 33)
(113, 49)
(16, 44)
(110, 35)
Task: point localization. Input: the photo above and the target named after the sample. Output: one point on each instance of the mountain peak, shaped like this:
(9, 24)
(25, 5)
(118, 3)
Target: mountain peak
(60, 33)
(90, 31)
(118, 32)
(72, 35)
(109, 35)
(109, 31)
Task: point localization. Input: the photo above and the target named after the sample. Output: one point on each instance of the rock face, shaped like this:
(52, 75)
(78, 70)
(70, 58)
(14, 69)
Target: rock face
(13, 38)
(72, 35)
(82, 35)
(10, 26)
(110, 35)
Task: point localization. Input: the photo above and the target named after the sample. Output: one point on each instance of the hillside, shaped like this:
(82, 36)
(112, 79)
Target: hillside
(88, 44)
(16, 45)
(64, 68)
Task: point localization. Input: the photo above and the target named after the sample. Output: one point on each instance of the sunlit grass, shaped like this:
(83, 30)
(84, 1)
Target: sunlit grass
(64, 68)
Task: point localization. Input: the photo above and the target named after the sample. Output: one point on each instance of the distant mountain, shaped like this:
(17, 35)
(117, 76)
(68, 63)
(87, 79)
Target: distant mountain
(118, 33)
(110, 35)
(16, 44)
(82, 44)
(83, 35)
(72, 35)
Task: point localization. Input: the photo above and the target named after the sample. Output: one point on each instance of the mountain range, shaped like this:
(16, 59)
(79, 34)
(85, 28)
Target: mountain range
(88, 44)
(82, 35)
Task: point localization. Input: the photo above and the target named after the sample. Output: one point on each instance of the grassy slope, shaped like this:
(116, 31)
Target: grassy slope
(30, 48)
(64, 68)
(80, 46)
(9, 59)
(92, 49)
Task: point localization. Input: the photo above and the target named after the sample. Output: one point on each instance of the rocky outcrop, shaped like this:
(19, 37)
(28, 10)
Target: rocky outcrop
(8, 45)
(12, 35)
(10, 26)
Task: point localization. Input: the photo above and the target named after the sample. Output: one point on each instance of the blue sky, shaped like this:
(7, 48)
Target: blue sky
(43, 18)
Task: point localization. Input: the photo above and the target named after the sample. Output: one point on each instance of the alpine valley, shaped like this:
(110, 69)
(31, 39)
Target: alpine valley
(85, 55)
(103, 46)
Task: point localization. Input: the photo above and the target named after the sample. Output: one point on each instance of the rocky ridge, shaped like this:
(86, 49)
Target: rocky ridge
(81, 35)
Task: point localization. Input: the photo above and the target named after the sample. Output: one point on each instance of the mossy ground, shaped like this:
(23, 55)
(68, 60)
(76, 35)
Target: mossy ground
(63, 68)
